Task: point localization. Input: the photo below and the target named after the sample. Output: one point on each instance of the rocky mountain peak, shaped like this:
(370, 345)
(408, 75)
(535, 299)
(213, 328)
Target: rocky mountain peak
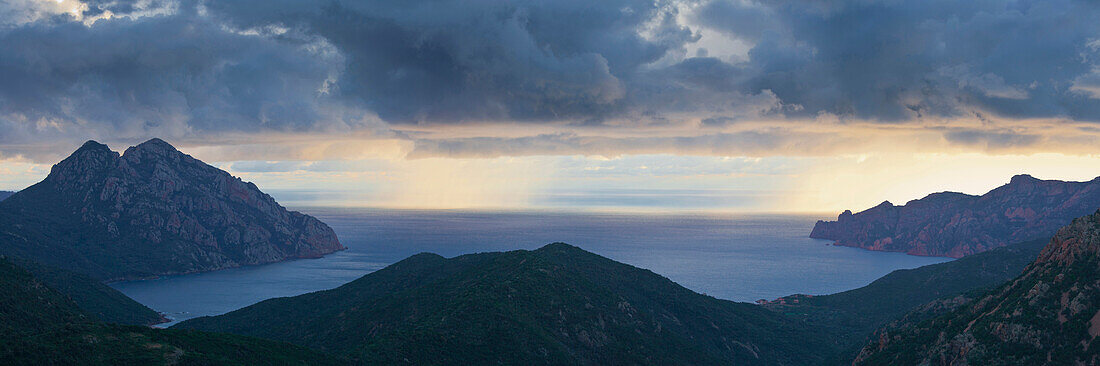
(154, 203)
(1022, 178)
(156, 150)
(154, 146)
(88, 162)
(92, 146)
(1080, 239)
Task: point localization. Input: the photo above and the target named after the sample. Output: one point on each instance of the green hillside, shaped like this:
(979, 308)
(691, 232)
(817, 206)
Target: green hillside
(853, 315)
(39, 326)
(555, 305)
(93, 297)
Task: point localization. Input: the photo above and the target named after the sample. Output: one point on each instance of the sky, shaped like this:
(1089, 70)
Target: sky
(716, 105)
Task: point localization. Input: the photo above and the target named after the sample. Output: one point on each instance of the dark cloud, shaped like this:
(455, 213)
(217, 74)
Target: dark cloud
(992, 140)
(453, 61)
(191, 68)
(897, 60)
(752, 143)
(717, 121)
(171, 76)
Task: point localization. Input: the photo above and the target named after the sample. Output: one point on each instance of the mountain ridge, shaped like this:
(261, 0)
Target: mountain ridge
(955, 224)
(854, 315)
(152, 211)
(40, 326)
(558, 304)
(1050, 314)
(94, 298)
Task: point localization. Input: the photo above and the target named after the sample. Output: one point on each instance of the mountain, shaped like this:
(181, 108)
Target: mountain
(5, 194)
(1050, 314)
(151, 211)
(40, 326)
(93, 297)
(852, 316)
(555, 305)
(955, 224)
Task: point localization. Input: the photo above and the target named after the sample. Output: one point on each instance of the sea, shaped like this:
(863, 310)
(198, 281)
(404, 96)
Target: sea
(738, 257)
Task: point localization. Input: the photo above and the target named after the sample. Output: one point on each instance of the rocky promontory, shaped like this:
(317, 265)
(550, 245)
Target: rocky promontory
(151, 211)
(954, 224)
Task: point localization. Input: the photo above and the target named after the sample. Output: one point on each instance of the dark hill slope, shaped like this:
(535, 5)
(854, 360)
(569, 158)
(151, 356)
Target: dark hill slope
(855, 314)
(1048, 315)
(5, 194)
(555, 305)
(39, 326)
(955, 224)
(29, 306)
(151, 211)
(93, 297)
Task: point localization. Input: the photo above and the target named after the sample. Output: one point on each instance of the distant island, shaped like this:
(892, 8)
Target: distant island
(955, 225)
(151, 211)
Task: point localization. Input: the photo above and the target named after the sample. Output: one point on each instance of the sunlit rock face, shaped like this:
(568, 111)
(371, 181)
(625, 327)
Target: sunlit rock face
(152, 211)
(1050, 314)
(955, 224)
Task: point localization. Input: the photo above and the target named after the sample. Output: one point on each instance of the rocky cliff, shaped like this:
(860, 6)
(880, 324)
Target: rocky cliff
(152, 211)
(1048, 315)
(955, 224)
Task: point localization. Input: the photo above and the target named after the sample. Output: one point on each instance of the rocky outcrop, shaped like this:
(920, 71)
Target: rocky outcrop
(955, 224)
(1048, 315)
(152, 211)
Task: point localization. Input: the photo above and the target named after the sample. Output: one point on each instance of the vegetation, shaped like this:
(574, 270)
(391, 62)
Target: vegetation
(93, 297)
(40, 326)
(556, 305)
(851, 316)
(109, 344)
(1048, 315)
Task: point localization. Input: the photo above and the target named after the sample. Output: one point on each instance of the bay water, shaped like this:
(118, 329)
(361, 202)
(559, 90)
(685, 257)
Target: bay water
(740, 257)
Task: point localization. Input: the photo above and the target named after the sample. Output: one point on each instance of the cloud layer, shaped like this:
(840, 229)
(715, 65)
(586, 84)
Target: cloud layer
(790, 77)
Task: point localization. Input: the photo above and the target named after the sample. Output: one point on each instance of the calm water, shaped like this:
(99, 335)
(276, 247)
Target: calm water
(736, 257)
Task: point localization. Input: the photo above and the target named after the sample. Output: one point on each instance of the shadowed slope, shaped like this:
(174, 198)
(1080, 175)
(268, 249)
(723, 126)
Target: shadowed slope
(93, 297)
(558, 304)
(855, 314)
(1048, 315)
(39, 326)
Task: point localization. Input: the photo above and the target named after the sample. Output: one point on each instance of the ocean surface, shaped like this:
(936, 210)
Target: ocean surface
(735, 257)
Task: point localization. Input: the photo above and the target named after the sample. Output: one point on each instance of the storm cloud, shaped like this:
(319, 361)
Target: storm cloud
(192, 70)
